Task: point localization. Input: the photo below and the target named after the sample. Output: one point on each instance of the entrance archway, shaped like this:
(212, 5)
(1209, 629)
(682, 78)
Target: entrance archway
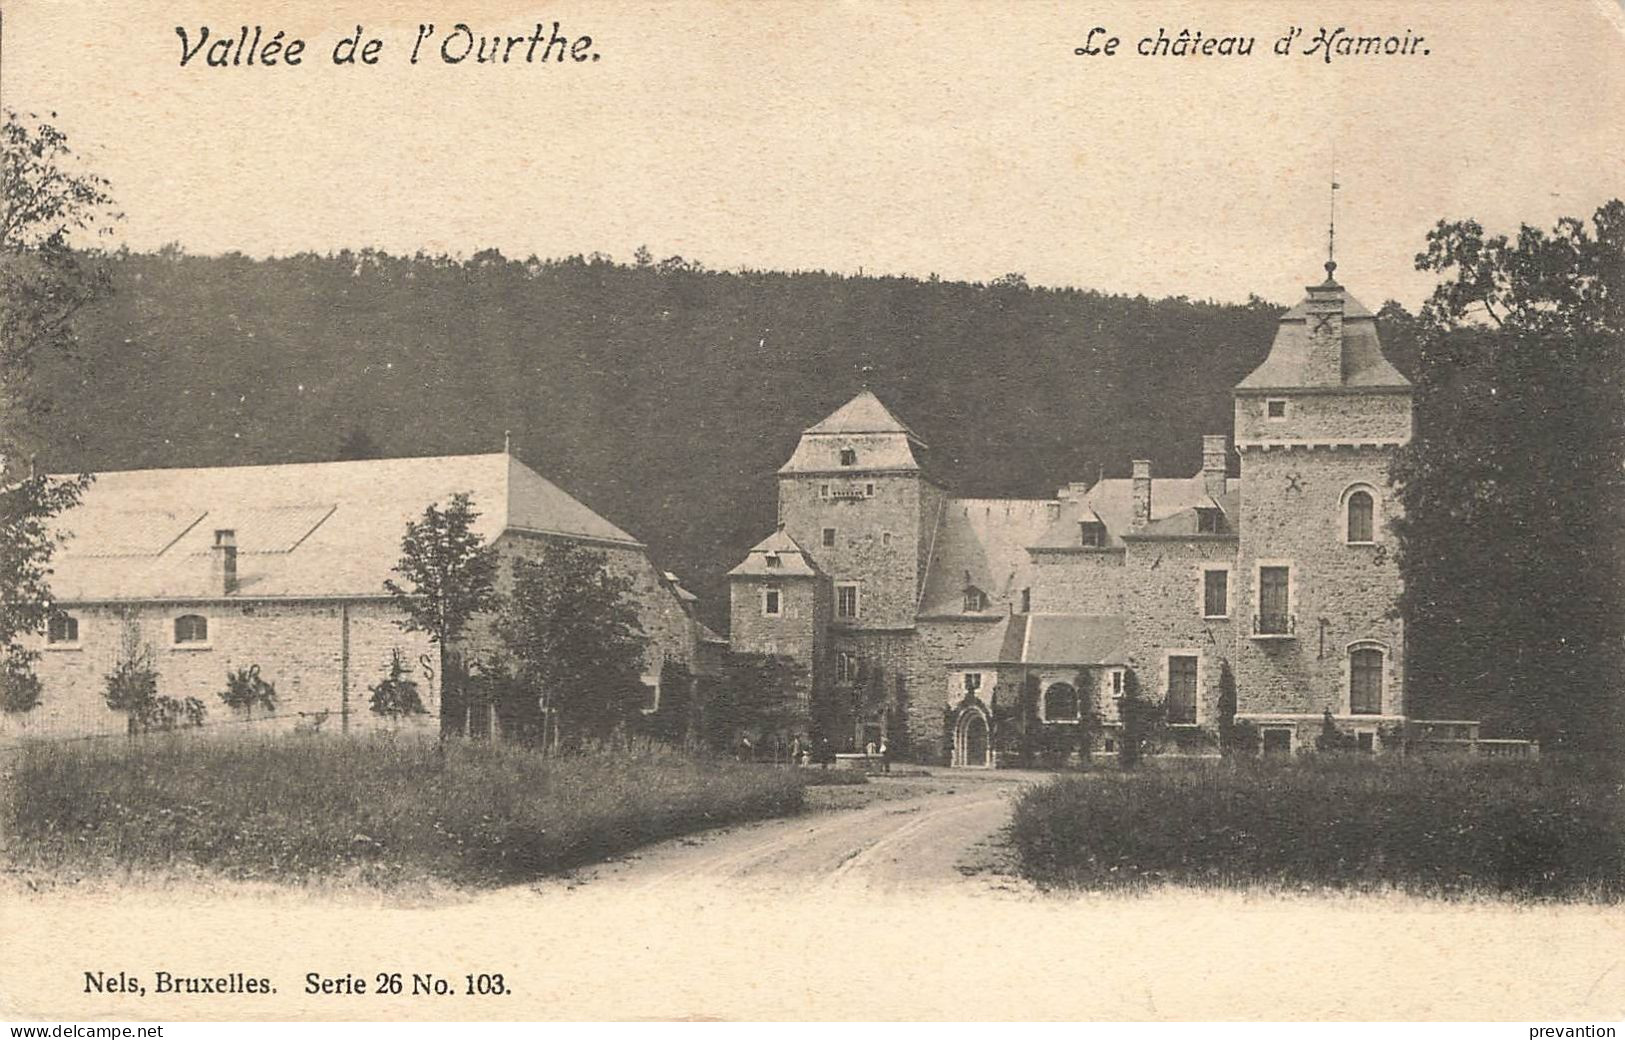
(971, 743)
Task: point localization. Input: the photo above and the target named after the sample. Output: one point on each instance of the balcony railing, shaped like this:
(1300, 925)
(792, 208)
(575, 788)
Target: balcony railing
(1279, 625)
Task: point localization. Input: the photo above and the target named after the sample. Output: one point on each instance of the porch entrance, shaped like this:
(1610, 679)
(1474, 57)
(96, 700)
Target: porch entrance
(971, 744)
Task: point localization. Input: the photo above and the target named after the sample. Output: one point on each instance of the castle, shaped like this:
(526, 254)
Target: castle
(950, 627)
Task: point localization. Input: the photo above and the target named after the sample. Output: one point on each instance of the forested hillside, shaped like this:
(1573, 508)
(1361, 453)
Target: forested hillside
(662, 395)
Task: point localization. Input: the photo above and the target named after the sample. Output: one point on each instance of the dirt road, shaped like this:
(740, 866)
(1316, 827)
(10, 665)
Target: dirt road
(903, 832)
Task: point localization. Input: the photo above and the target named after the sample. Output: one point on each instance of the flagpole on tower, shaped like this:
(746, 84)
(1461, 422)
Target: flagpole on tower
(1331, 222)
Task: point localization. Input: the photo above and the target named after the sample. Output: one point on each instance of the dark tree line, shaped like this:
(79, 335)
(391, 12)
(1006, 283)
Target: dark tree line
(664, 395)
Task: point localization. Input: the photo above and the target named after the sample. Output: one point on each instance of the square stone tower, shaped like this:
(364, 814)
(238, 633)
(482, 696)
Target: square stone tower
(1317, 584)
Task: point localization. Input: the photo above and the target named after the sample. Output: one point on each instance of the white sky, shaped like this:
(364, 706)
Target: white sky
(961, 139)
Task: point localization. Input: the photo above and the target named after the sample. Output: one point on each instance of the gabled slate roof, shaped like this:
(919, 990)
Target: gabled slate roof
(1050, 640)
(793, 561)
(316, 529)
(863, 414)
(982, 542)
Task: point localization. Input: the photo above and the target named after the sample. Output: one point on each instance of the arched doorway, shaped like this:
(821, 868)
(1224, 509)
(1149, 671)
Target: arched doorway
(971, 743)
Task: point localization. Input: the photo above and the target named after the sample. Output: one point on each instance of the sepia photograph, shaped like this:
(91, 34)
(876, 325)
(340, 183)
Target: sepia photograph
(812, 512)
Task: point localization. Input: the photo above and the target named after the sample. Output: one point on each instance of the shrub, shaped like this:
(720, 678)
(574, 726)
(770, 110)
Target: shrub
(1331, 738)
(245, 690)
(396, 695)
(132, 688)
(1546, 828)
(19, 688)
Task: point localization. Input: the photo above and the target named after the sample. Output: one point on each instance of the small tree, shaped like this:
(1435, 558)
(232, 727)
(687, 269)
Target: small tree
(48, 203)
(450, 575)
(673, 718)
(132, 688)
(1141, 721)
(19, 687)
(572, 628)
(1227, 708)
(396, 695)
(1331, 738)
(246, 689)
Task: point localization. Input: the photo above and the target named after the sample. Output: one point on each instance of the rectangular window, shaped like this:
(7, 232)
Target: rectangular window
(1365, 682)
(1277, 740)
(1216, 593)
(1027, 601)
(1275, 409)
(1366, 741)
(1117, 684)
(1182, 689)
(885, 538)
(868, 491)
(771, 605)
(846, 667)
(1092, 534)
(1274, 608)
(846, 601)
(829, 537)
(823, 491)
(973, 682)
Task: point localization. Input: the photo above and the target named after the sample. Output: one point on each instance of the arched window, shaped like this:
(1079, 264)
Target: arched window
(1365, 681)
(1361, 516)
(191, 628)
(1060, 703)
(62, 628)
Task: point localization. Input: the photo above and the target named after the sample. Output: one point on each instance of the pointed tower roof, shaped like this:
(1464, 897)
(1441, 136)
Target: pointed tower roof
(1362, 365)
(791, 560)
(863, 414)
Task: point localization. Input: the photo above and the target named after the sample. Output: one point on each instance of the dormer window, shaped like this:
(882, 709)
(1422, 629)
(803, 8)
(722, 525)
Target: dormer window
(1209, 521)
(849, 456)
(774, 560)
(975, 600)
(1092, 533)
(1275, 408)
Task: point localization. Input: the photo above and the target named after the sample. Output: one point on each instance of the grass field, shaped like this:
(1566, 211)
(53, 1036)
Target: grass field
(376, 810)
(1428, 825)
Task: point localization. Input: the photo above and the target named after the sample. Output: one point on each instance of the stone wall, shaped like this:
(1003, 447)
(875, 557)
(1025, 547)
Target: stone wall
(1165, 578)
(1293, 505)
(321, 675)
(1354, 415)
(876, 539)
(1077, 581)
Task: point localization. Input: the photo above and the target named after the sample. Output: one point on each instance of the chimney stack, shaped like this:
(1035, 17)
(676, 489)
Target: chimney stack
(225, 561)
(1142, 495)
(1323, 326)
(1215, 464)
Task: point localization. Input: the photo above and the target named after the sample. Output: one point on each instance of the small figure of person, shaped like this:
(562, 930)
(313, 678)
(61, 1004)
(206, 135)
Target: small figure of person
(744, 749)
(885, 756)
(826, 754)
(795, 752)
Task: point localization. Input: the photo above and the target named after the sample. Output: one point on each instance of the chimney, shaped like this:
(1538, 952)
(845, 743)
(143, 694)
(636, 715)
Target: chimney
(1142, 495)
(225, 561)
(1323, 324)
(1215, 458)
